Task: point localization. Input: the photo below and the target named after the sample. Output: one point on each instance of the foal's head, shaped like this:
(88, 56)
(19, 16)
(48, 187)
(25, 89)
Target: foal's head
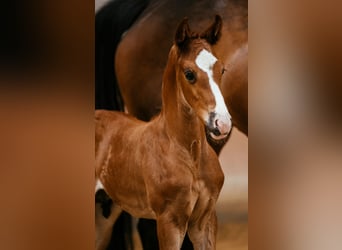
(198, 73)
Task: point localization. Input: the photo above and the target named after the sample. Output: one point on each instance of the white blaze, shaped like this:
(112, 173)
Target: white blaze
(205, 61)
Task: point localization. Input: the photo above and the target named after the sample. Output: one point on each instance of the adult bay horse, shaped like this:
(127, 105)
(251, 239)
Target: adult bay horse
(133, 38)
(165, 169)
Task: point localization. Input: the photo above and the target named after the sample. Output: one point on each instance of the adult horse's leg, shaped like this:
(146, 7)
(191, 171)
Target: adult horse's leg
(104, 226)
(122, 233)
(187, 245)
(148, 228)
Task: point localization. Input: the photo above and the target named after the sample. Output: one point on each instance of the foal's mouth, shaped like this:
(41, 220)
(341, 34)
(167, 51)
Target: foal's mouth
(218, 137)
(218, 127)
(215, 133)
(215, 137)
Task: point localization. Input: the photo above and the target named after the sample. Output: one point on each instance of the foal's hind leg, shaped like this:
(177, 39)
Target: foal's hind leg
(104, 225)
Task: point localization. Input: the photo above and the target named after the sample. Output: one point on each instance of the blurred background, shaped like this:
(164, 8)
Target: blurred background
(232, 206)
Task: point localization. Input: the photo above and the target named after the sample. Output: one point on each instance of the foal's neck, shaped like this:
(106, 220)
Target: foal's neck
(181, 121)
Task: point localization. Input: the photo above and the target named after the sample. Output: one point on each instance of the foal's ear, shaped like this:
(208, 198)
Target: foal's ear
(182, 33)
(213, 33)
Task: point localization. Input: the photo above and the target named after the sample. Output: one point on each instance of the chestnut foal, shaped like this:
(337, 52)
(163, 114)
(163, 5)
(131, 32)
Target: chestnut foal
(165, 169)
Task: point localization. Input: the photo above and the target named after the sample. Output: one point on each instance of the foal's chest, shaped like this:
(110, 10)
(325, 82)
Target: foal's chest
(210, 181)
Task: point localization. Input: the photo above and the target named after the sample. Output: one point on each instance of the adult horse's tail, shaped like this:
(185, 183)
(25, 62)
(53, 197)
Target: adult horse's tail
(111, 21)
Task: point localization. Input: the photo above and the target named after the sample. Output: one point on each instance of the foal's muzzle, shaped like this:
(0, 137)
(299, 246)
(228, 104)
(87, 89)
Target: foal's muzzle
(219, 126)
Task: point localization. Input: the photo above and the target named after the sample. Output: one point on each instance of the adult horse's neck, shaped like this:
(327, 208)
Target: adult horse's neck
(181, 121)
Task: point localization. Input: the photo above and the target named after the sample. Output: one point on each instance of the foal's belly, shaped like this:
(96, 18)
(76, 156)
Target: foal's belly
(146, 213)
(127, 189)
(135, 203)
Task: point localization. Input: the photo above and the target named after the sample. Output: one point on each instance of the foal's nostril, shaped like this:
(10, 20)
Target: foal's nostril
(222, 126)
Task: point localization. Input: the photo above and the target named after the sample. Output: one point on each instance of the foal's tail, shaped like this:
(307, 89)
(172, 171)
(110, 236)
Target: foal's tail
(111, 21)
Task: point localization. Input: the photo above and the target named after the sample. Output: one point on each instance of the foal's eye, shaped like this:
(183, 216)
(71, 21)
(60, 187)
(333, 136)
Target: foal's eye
(223, 70)
(190, 76)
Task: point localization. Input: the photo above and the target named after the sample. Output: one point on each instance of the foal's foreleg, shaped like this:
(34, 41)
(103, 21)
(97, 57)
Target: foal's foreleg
(203, 233)
(171, 231)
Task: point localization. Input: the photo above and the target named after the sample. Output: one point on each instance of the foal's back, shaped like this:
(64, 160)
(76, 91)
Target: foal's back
(141, 145)
(118, 137)
(108, 123)
(125, 132)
